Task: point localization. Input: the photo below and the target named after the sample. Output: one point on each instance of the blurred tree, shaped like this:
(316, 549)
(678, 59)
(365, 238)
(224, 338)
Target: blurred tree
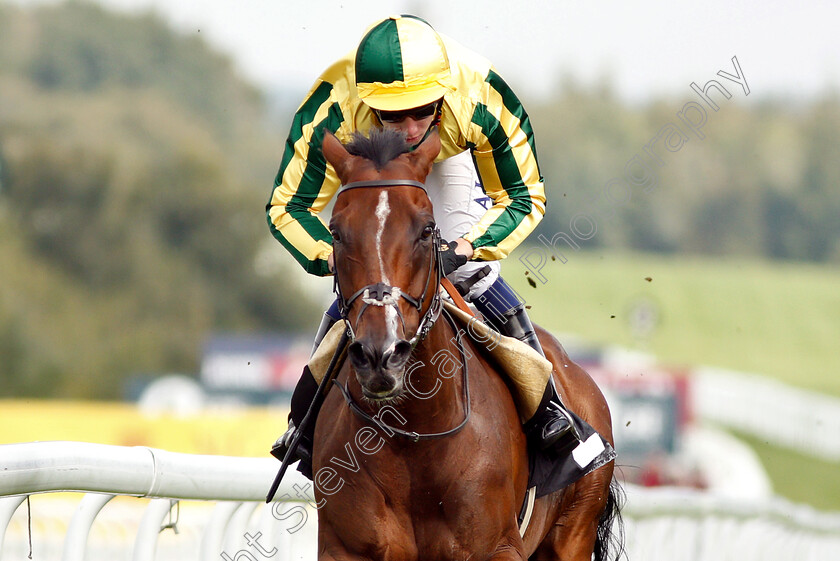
(819, 198)
(136, 171)
(758, 183)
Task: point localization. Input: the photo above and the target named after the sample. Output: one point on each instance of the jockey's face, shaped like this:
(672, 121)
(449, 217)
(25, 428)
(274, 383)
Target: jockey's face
(413, 122)
(413, 129)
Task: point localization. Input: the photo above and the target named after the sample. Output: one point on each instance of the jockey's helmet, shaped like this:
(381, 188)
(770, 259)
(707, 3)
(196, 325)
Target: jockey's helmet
(401, 63)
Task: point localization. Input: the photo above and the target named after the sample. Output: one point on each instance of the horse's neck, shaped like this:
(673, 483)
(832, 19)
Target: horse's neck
(434, 379)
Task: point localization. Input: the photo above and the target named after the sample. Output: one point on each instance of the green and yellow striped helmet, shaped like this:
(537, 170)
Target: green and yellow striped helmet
(401, 63)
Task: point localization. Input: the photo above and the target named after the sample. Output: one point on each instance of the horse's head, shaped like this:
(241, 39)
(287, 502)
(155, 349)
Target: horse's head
(385, 244)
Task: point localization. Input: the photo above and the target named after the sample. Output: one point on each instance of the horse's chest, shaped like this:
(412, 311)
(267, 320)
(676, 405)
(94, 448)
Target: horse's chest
(445, 499)
(432, 530)
(442, 517)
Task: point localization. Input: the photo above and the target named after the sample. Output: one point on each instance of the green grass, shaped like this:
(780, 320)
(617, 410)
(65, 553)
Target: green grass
(781, 320)
(794, 474)
(777, 319)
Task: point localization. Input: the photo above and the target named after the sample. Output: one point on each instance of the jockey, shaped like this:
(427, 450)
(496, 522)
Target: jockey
(405, 76)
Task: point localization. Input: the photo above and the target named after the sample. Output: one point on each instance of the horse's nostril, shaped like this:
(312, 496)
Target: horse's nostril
(398, 357)
(359, 356)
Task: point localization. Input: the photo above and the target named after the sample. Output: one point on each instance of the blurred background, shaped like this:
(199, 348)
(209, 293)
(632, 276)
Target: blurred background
(689, 258)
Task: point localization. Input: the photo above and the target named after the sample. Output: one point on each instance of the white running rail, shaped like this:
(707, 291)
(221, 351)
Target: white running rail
(679, 525)
(667, 525)
(784, 415)
(237, 485)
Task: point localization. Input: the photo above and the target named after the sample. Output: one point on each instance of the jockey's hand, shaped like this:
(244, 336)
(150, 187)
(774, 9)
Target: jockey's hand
(463, 247)
(453, 255)
(331, 262)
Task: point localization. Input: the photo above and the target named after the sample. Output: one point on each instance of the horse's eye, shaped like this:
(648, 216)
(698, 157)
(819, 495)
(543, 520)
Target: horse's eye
(428, 231)
(335, 236)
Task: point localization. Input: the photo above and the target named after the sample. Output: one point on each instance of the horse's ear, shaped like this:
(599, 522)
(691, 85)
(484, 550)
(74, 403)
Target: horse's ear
(335, 153)
(424, 156)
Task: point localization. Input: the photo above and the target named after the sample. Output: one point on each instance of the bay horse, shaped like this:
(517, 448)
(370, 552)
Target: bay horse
(429, 462)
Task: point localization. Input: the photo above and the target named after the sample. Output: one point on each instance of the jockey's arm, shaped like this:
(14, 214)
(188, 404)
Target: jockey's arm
(305, 183)
(507, 164)
(504, 151)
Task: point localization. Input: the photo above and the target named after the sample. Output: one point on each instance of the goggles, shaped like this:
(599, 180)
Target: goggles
(416, 113)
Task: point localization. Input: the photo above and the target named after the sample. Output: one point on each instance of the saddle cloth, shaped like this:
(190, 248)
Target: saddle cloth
(528, 372)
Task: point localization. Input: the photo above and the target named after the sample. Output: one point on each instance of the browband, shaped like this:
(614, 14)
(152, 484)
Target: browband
(382, 183)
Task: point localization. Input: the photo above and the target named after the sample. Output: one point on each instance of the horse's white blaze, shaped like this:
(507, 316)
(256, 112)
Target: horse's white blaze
(383, 209)
(391, 321)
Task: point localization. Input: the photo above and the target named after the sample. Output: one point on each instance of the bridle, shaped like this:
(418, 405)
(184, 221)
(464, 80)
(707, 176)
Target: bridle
(381, 294)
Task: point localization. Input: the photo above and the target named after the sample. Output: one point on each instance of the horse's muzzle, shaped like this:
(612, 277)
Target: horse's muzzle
(380, 372)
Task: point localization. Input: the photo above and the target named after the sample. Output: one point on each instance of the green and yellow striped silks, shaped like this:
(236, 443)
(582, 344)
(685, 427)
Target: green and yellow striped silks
(480, 113)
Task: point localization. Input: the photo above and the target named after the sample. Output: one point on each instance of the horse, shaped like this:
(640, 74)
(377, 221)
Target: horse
(429, 459)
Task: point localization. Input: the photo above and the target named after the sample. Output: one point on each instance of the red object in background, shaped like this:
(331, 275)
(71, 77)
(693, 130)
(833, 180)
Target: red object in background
(286, 369)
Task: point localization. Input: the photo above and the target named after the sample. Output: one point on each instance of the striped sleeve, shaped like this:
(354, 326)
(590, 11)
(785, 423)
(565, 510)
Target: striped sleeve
(503, 147)
(305, 183)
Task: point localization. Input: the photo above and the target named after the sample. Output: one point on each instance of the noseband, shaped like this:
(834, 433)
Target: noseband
(380, 294)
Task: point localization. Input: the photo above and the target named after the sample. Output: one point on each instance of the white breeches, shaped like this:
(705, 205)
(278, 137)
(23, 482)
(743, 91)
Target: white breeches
(459, 202)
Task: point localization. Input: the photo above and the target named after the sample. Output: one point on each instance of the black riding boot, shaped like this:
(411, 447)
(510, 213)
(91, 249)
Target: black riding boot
(302, 398)
(551, 426)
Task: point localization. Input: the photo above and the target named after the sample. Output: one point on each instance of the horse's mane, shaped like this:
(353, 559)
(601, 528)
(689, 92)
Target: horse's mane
(382, 146)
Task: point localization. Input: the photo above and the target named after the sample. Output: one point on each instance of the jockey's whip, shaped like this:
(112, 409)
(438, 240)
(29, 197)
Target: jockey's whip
(320, 395)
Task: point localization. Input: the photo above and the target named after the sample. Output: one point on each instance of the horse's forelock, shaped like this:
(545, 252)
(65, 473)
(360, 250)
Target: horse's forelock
(382, 146)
